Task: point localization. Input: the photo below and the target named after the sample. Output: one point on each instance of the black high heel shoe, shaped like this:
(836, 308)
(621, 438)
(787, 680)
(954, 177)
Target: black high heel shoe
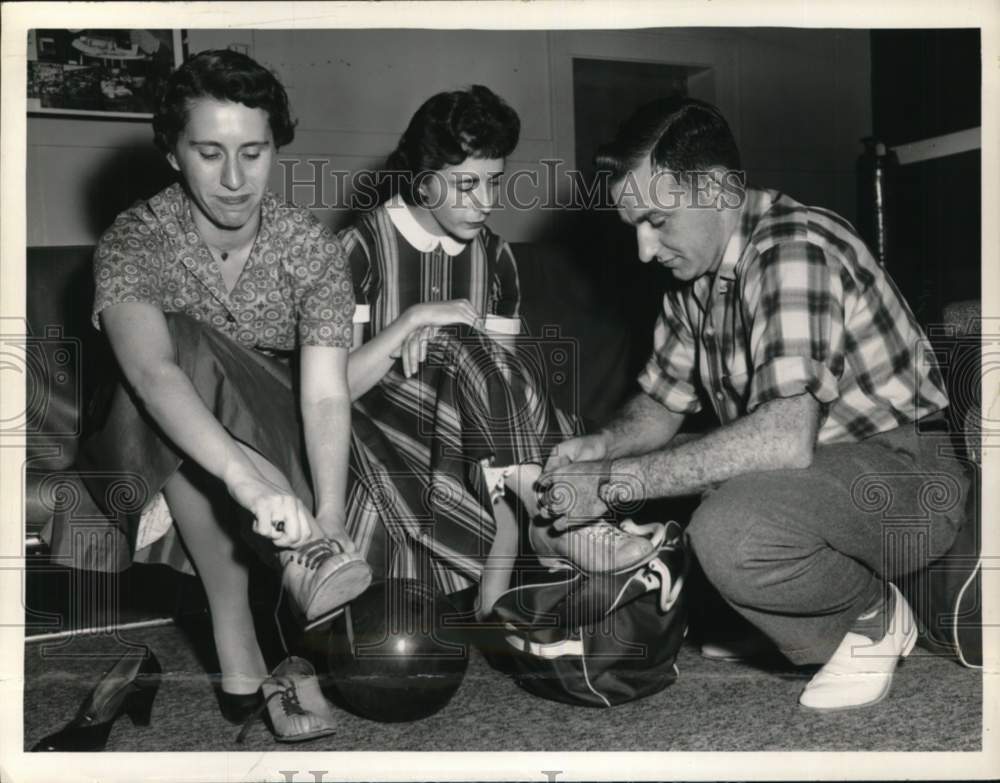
(238, 707)
(128, 687)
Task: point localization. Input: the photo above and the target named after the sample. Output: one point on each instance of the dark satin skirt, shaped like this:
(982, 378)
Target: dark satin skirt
(128, 460)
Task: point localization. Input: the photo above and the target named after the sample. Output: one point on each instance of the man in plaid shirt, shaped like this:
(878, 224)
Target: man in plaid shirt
(816, 369)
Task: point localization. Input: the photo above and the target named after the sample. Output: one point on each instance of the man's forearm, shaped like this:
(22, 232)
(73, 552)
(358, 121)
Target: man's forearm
(778, 435)
(641, 426)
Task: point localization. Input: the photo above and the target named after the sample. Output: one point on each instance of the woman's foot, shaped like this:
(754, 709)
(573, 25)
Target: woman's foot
(322, 578)
(243, 667)
(238, 707)
(296, 707)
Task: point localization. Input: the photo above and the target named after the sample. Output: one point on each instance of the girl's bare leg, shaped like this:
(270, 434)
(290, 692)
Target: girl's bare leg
(519, 480)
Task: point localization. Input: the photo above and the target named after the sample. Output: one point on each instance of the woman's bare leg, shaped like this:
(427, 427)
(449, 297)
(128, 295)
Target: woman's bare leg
(199, 514)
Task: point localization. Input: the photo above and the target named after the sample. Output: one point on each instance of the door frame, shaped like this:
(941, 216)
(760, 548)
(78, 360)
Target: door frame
(718, 52)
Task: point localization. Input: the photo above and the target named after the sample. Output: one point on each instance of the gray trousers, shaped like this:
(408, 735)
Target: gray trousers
(802, 553)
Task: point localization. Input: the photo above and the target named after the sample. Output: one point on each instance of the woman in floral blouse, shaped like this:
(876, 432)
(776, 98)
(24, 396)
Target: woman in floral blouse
(207, 292)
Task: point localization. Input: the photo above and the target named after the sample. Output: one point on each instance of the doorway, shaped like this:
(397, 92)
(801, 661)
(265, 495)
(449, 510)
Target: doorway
(605, 93)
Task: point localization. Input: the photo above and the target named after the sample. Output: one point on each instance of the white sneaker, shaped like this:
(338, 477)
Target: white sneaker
(860, 671)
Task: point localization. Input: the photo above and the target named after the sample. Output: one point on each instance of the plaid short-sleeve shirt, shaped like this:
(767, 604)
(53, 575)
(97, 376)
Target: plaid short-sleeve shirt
(295, 289)
(798, 304)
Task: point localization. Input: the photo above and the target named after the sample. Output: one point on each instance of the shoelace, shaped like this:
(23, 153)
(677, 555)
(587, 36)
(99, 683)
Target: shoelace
(289, 704)
(314, 553)
(602, 532)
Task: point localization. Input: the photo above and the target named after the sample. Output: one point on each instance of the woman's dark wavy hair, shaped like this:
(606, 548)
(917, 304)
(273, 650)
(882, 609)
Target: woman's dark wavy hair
(447, 129)
(226, 76)
(680, 134)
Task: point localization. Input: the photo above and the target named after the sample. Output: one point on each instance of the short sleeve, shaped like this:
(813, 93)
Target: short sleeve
(324, 291)
(359, 261)
(127, 263)
(505, 298)
(671, 375)
(794, 312)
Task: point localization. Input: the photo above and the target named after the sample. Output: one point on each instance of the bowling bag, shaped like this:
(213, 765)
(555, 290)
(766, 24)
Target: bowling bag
(596, 640)
(947, 596)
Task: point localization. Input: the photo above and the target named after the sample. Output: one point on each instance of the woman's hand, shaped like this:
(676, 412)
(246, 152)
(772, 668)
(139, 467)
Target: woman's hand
(424, 320)
(454, 311)
(278, 514)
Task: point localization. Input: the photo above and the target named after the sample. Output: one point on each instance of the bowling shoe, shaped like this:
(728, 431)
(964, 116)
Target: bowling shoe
(321, 578)
(599, 548)
(296, 708)
(860, 671)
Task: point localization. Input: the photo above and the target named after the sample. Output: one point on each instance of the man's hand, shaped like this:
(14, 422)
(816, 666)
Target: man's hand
(568, 494)
(586, 448)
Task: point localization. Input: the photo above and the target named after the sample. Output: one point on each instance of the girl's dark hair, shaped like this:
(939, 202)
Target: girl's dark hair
(226, 76)
(447, 129)
(680, 134)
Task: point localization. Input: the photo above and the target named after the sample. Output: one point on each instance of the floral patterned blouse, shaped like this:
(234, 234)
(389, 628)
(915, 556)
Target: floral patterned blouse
(295, 289)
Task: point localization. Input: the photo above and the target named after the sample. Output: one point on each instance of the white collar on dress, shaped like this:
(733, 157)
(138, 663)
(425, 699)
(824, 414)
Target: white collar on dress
(418, 236)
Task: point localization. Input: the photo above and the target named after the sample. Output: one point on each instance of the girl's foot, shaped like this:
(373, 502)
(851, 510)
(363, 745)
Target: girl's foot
(598, 548)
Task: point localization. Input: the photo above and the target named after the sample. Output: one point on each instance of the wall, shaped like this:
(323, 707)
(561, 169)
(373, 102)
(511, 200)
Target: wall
(798, 101)
(927, 83)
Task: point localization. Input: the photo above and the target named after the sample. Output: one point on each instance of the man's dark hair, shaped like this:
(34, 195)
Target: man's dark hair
(680, 134)
(448, 128)
(226, 76)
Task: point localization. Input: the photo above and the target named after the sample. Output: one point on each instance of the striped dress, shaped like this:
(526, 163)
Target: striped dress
(418, 504)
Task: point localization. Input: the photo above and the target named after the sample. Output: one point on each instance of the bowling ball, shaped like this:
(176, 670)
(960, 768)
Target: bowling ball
(389, 656)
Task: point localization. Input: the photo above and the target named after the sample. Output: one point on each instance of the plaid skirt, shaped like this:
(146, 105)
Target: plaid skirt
(417, 503)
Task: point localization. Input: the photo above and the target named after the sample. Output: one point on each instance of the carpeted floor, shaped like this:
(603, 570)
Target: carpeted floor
(935, 705)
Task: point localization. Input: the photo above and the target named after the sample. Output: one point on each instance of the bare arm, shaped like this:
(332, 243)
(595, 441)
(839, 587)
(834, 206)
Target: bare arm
(370, 361)
(142, 345)
(326, 418)
(780, 434)
(407, 335)
(641, 426)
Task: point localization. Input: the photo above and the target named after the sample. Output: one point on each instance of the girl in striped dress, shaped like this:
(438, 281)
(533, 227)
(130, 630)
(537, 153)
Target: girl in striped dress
(446, 419)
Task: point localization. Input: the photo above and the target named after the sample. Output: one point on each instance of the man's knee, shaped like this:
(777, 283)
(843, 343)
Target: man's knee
(721, 521)
(737, 535)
